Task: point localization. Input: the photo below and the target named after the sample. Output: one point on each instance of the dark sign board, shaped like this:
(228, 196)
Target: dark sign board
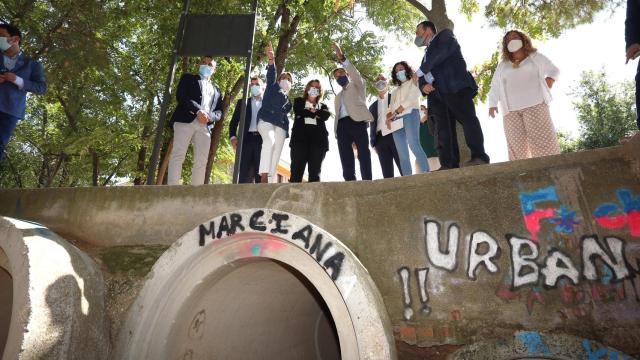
(217, 35)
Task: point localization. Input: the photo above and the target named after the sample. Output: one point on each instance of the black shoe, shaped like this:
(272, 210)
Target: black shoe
(475, 161)
(443, 168)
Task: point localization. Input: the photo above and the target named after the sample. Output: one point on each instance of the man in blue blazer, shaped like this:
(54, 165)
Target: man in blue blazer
(444, 77)
(251, 140)
(199, 107)
(383, 144)
(18, 76)
(632, 38)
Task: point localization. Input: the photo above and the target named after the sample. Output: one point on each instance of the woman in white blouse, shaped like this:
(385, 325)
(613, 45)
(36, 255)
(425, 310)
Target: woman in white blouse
(405, 105)
(521, 84)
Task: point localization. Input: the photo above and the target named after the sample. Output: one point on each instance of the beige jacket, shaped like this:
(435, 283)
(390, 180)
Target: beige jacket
(354, 97)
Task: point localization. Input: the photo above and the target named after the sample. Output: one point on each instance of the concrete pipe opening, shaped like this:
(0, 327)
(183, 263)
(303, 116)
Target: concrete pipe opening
(257, 284)
(6, 299)
(260, 309)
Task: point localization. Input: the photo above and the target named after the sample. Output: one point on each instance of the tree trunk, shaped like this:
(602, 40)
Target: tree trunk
(437, 14)
(95, 163)
(164, 165)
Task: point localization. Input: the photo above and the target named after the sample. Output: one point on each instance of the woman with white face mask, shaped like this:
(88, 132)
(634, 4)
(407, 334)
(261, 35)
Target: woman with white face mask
(521, 84)
(309, 137)
(273, 122)
(405, 105)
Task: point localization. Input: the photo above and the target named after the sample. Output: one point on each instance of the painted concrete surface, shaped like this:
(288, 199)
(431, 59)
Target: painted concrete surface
(57, 307)
(548, 245)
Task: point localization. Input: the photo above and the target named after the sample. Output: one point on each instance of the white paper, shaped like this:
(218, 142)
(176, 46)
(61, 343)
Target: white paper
(310, 121)
(395, 126)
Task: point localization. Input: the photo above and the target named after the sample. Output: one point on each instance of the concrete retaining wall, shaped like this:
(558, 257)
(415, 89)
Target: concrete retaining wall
(548, 245)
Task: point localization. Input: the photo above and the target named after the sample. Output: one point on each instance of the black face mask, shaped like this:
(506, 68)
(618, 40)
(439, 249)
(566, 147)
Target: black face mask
(343, 80)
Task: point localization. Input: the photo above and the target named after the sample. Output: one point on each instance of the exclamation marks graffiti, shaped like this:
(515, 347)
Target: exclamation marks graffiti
(405, 280)
(405, 276)
(421, 277)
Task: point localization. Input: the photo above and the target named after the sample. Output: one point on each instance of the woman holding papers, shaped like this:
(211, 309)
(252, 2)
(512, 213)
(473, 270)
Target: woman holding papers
(309, 137)
(404, 118)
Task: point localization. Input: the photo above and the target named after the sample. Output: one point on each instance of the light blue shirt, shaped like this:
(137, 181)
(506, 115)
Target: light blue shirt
(10, 64)
(256, 104)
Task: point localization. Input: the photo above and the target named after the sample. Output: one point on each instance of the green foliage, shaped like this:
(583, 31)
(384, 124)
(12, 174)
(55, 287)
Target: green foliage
(606, 112)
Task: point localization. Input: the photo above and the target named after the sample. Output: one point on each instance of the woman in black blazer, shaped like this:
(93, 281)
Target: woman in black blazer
(309, 137)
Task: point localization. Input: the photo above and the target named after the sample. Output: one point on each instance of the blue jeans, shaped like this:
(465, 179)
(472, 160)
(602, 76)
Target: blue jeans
(409, 138)
(7, 125)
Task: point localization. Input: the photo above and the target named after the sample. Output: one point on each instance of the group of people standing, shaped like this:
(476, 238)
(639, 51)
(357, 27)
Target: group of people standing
(398, 123)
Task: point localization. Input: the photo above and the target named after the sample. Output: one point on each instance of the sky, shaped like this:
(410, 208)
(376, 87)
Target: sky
(587, 47)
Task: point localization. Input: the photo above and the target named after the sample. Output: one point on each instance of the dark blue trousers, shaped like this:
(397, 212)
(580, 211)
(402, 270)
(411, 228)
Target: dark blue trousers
(387, 153)
(638, 96)
(354, 132)
(250, 158)
(7, 125)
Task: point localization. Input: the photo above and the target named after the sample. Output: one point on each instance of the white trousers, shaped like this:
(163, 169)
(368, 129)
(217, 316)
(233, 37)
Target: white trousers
(272, 142)
(183, 135)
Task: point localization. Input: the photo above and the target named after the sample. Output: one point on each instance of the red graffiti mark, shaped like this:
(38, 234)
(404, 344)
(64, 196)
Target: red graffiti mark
(456, 315)
(408, 334)
(633, 217)
(532, 221)
(534, 297)
(607, 292)
(426, 332)
(504, 292)
(612, 222)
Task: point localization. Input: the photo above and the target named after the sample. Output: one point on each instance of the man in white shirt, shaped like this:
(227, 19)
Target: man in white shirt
(251, 140)
(352, 116)
(383, 144)
(199, 107)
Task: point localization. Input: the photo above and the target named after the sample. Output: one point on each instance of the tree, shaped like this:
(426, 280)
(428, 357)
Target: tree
(606, 112)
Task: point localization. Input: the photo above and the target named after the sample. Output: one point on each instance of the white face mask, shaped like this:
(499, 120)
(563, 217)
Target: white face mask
(4, 43)
(314, 92)
(381, 85)
(285, 85)
(514, 45)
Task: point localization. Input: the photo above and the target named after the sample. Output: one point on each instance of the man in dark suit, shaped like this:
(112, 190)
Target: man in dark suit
(383, 144)
(444, 77)
(632, 37)
(251, 140)
(199, 107)
(18, 75)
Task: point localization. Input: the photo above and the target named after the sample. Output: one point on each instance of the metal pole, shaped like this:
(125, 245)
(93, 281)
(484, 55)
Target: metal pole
(166, 98)
(243, 103)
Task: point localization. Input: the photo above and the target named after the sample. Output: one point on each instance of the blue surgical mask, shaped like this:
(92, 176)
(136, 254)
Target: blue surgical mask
(206, 70)
(343, 80)
(4, 43)
(401, 75)
(256, 90)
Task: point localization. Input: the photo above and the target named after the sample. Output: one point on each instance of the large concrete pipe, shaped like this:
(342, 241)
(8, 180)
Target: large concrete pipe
(6, 299)
(51, 297)
(257, 284)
